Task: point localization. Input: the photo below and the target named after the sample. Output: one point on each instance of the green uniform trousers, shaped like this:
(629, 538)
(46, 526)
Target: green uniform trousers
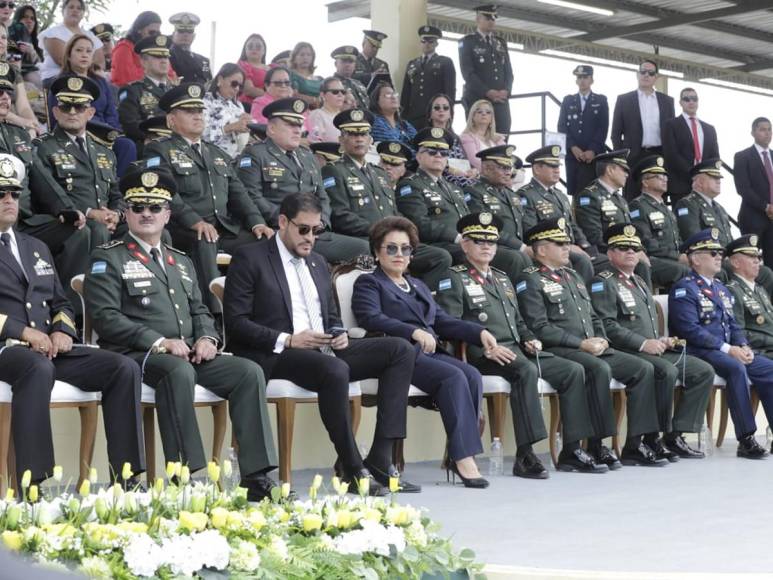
(665, 272)
(338, 248)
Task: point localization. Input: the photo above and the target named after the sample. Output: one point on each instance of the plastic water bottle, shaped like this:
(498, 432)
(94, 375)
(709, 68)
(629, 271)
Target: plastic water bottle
(496, 459)
(768, 437)
(232, 482)
(706, 440)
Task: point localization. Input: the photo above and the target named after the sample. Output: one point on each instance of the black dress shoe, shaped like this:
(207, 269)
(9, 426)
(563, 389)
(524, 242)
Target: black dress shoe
(679, 446)
(748, 448)
(382, 476)
(353, 479)
(663, 452)
(580, 461)
(605, 456)
(530, 467)
(641, 455)
(259, 487)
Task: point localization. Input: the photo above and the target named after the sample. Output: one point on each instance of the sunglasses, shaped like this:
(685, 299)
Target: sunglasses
(70, 107)
(5, 91)
(236, 85)
(435, 152)
(627, 248)
(713, 253)
(10, 5)
(441, 108)
(15, 195)
(140, 207)
(651, 73)
(336, 91)
(281, 83)
(394, 250)
(690, 99)
(483, 242)
(304, 229)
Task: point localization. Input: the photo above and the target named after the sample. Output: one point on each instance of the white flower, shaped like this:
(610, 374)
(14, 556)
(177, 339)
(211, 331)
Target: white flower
(143, 556)
(245, 557)
(180, 557)
(416, 535)
(279, 548)
(95, 567)
(372, 537)
(212, 548)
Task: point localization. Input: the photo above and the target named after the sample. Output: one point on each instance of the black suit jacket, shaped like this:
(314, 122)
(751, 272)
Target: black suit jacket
(626, 123)
(752, 185)
(257, 307)
(679, 152)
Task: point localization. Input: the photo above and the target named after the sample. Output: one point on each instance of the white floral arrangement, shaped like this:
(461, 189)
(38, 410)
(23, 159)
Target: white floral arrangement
(182, 529)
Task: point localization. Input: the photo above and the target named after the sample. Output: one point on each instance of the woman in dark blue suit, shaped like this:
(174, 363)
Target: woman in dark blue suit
(392, 302)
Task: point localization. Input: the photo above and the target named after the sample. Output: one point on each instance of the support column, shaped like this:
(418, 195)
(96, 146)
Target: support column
(661, 84)
(400, 19)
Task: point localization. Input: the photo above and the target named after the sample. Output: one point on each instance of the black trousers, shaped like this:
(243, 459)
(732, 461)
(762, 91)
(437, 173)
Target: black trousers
(31, 376)
(390, 360)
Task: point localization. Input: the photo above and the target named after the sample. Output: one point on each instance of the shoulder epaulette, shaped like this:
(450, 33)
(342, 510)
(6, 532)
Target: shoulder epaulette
(732, 283)
(459, 268)
(606, 274)
(530, 270)
(173, 249)
(497, 270)
(111, 244)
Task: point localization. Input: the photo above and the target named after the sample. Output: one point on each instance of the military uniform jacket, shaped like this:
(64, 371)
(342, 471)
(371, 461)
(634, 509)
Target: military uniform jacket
(190, 66)
(424, 80)
(207, 187)
(137, 102)
(33, 296)
(754, 312)
(703, 315)
(433, 205)
(134, 302)
(89, 179)
(587, 129)
(657, 227)
(503, 202)
(466, 294)
(359, 197)
(556, 305)
(541, 204)
(269, 174)
(595, 209)
(358, 90)
(694, 213)
(364, 68)
(484, 66)
(626, 308)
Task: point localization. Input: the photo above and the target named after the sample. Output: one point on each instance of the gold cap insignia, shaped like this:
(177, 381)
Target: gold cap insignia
(561, 224)
(74, 83)
(194, 91)
(718, 165)
(4, 68)
(99, 28)
(149, 179)
(112, 135)
(485, 218)
(510, 151)
(715, 233)
(394, 148)
(753, 239)
(298, 106)
(185, 19)
(160, 40)
(6, 168)
(349, 50)
(437, 132)
(629, 230)
(555, 151)
(357, 115)
(659, 161)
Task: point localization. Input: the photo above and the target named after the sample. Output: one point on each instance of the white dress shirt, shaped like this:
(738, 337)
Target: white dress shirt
(650, 119)
(15, 248)
(760, 152)
(686, 118)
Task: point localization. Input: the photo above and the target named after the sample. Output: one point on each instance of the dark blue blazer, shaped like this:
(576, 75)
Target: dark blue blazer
(587, 129)
(751, 183)
(705, 330)
(380, 306)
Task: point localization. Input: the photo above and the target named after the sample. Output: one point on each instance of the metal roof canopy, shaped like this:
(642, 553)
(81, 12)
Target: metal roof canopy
(724, 40)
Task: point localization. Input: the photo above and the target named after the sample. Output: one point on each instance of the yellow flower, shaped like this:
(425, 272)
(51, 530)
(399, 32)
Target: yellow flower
(213, 471)
(256, 518)
(193, 522)
(185, 474)
(26, 479)
(198, 503)
(394, 484)
(13, 540)
(312, 522)
(12, 515)
(93, 475)
(130, 503)
(33, 493)
(285, 490)
(133, 527)
(316, 482)
(58, 473)
(159, 487)
(219, 517)
(100, 506)
(126, 472)
(227, 468)
(63, 530)
(170, 469)
(398, 516)
(85, 488)
(235, 520)
(9, 494)
(345, 519)
(363, 486)
(371, 514)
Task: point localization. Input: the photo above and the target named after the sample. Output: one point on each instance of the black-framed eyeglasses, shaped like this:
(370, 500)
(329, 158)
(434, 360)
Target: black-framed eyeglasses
(651, 73)
(139, 208)
(690, 99)
(393, 250)
(335, 91)
(15, 195)
(281, 83)
(441, 107)
(436, 152)
(10, 5)
(70, 107)
(304, 229)
(237, 85)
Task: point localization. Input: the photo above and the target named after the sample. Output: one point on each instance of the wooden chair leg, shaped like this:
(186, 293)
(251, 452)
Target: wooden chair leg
(723, 413)
(285, 421)
(555, 421)
(89, 415)
(398, 459)
(149, 427)
(618, 401)
(710, 408)
(496, 414)
(220, 420)
(5, 442)
(355, 407)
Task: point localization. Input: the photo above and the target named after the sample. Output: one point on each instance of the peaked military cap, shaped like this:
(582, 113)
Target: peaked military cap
(622, 236)
(75, 89)
(103, 31)
(7, 77)
(618, 157)
(185, 96)
(517, 162)
(374, 37)
(184, 21)
(354, 121)
(12, 172)
(712, 167)
(652, 165)
(154, 45)
(433, 137)
(428, 32)
(290, 110)
(548, 155)
(258, 130)
(147, 185)
(103, 133)
(748, 244)
(583, 70)
(480, 226)
(707, 239)
(501, 154)
(346, 52)
(153, 126)
(487, 9)
(281, 58)
(330, 150)
(394, 152)
(553, 230)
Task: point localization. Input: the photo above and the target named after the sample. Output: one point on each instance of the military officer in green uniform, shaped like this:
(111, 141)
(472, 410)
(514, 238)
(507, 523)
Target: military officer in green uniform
(557, 307)
(145, 303)
(325, 152)
(656, 223)
(211, 210)
(345, 63)
(368, 63)
(393, 158)
(699, 211)
(541, 200)
(477, 292)
(360, 194)
(190, 67)
(435, 205)
(627, 310)
(138, 101)
(155, 128)
(752, 307)
(279, 166)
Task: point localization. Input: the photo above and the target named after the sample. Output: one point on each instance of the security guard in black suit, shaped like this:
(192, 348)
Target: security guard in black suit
(476, 292)
(211, 210)
(426, 76)
(189, 66)
(138, 101)
(145, 303)
(556, 306)
(626, 307)
(368, 64)
(279, 166)
(485, 63)
(35, 311)
(345, 62)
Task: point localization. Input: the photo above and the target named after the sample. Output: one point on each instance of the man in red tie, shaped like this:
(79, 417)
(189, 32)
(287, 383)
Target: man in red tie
(754, 183)
(686, 142)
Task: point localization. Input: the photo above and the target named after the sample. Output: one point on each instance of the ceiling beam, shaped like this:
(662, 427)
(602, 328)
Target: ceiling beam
(758, 65)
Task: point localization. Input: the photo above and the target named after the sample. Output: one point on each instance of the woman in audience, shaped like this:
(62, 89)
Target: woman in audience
(387, 123)
(55, 38)
(225, 122)
(440, 113)
(253, 62)
(392, 302)
(278, 86)
(305, 83)
(126, 66)
(481, 132)
(24, 32)
(22, 115)
(333, 94)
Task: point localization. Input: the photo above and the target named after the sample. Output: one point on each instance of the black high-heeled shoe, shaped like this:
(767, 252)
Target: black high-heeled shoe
(475, 482)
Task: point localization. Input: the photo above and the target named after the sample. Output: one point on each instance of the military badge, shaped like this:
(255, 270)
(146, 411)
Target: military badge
(75, 83)
(437, 132)
(194, 91)
(357, 115)
(394, 148)
(149, 179)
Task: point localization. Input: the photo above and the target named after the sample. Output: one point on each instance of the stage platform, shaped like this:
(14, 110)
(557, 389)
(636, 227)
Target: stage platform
(696, 519)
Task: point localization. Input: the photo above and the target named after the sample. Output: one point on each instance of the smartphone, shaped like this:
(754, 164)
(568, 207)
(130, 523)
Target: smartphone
(336, 331)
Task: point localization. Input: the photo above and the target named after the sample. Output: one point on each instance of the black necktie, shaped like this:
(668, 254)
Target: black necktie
(5, 246)
(196, 148)
(81, 144)
(162, 86)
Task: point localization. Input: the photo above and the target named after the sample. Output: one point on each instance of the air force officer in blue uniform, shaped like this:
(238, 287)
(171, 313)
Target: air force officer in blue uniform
(701, 311)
